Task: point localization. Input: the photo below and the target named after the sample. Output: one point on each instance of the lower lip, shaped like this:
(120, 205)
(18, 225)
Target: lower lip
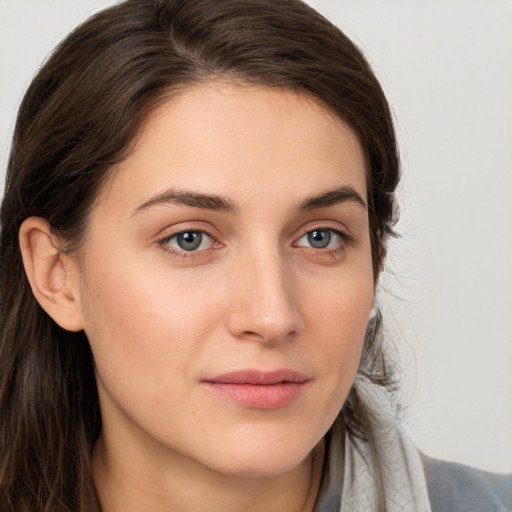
(259, 396)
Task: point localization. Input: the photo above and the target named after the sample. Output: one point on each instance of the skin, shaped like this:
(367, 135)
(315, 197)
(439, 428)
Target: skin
(255, 294)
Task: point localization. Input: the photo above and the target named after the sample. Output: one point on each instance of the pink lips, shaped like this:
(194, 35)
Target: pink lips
(259, 390)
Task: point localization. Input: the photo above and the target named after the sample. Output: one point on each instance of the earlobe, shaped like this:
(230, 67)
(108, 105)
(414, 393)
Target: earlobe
(53, 275)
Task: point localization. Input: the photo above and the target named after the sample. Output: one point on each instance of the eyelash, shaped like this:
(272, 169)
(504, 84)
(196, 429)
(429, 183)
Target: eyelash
(345, 239)
(163, 243)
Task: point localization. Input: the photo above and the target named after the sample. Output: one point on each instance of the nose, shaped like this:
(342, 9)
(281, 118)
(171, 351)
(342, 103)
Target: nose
(264, 305)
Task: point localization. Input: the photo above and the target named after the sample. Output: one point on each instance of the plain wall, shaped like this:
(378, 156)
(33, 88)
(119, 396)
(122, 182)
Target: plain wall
(446, 67)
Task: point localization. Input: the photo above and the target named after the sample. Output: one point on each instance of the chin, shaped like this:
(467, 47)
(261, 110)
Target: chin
(259, 446)
(264, 459)
(263, 467)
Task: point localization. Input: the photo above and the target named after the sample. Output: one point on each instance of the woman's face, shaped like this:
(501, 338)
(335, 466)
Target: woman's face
(226, 281)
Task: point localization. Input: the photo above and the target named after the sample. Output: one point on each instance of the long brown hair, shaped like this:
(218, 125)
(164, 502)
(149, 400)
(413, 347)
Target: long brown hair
(79, 118)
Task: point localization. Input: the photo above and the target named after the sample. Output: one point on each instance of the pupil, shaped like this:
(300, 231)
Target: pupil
(189, 240)
(319, 239)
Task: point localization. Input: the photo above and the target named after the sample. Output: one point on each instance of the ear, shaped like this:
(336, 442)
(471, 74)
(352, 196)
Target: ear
(53, 275)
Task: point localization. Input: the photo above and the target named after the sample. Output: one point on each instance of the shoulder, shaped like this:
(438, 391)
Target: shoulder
(455, 487)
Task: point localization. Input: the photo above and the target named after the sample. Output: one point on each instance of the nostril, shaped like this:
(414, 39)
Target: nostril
(267, 336)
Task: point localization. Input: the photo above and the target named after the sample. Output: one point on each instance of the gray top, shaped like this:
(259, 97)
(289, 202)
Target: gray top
(451, 487)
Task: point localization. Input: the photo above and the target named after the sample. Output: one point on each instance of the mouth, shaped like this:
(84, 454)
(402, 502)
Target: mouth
(256, 389)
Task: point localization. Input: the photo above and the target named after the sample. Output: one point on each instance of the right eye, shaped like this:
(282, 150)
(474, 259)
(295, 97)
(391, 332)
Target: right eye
(187, 241)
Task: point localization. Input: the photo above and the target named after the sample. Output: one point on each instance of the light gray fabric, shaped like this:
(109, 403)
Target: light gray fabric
(451, 487)
(412, 482)
(389, 476)
(349, 482)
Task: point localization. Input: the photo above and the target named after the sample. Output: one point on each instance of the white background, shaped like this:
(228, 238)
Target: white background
(446, 67)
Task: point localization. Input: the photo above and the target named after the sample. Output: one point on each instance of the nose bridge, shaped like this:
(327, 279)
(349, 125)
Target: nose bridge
(265, 303)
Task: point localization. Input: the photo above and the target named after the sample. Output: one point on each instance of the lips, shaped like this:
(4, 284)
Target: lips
(257, 389)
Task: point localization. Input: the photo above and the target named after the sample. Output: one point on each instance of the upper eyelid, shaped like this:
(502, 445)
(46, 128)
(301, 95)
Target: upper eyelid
(342, 234)
(325, 225)
(186, 230)
(298, 232)
(171, 231)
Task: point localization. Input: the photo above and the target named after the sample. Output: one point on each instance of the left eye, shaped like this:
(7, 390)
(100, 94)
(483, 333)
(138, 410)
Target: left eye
(190, 241)
(320, 239)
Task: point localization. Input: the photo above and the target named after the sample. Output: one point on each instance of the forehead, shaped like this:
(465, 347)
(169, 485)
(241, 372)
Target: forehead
(242, 140)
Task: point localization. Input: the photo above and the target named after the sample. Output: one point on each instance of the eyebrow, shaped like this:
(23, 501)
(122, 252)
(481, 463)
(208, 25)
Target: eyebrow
(218, 203)
(193, 199)
(331, 198)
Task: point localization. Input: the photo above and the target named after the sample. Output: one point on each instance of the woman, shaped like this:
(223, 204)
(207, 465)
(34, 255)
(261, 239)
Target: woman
(196, 212)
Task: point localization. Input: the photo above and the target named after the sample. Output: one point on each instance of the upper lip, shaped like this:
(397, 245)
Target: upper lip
(259, 377)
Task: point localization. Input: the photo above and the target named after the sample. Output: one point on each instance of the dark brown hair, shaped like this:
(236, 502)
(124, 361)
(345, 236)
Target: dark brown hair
(79, 118)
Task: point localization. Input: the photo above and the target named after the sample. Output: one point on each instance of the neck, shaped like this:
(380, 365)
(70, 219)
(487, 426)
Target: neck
(127, 482)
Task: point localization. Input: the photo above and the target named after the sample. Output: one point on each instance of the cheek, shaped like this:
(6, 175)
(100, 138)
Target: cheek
(337, 318)
(341, 303)
(142, 329)
(342, 313)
